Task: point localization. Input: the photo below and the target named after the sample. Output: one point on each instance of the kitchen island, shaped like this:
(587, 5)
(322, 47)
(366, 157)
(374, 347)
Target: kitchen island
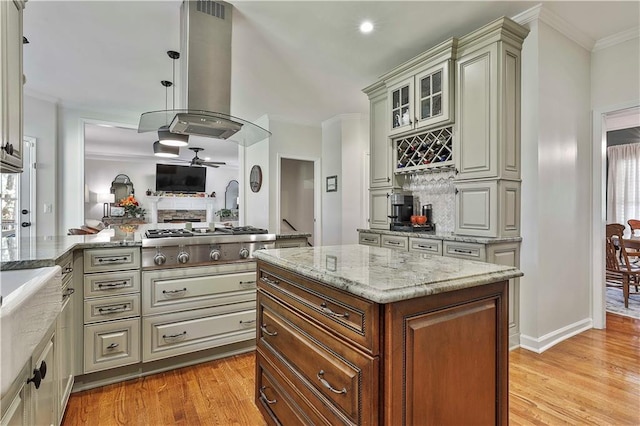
(368, 335)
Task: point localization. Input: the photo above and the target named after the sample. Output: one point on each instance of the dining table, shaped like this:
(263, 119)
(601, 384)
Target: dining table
(632, 241)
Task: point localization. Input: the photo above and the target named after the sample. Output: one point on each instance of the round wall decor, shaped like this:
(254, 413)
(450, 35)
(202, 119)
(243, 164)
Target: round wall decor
(255, 178)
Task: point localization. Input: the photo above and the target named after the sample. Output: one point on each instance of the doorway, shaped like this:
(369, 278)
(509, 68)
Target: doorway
(605, 119)
(297, 197)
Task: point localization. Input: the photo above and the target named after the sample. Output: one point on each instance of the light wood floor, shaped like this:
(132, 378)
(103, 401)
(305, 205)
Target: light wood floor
(592, 378)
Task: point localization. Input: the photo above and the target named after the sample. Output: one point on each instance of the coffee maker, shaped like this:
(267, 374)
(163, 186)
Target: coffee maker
(401, 212)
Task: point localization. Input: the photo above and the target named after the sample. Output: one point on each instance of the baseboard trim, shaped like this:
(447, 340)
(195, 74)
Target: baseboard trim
(541, 344)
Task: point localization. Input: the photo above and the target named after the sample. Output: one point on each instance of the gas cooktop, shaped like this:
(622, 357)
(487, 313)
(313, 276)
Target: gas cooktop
(238, 230)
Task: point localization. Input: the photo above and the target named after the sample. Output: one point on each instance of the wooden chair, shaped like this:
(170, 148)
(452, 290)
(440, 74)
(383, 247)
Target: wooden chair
(619, 272)
(633, 224)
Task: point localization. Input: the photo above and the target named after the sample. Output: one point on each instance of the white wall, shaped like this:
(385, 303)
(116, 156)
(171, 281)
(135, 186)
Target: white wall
(615, 74)
(256, 212)
(555, 289)
(332, 165)
(100, 173)
(40, 122)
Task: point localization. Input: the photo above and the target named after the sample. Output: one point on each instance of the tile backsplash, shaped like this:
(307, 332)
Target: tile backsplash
(436, 189)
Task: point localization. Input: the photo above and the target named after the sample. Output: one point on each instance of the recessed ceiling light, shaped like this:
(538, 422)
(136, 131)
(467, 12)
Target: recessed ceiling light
(366, 27)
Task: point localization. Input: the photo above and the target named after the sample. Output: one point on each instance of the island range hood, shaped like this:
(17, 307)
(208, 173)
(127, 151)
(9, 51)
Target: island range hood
(205, 79)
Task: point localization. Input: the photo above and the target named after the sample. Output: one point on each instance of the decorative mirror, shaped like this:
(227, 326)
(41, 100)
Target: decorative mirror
(121, 187)
(231, 195)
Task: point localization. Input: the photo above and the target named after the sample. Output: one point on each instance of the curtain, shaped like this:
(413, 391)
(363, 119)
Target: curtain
(623, 183)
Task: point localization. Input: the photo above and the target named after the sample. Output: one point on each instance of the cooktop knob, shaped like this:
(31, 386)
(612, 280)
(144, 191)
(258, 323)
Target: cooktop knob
(159, 259)
(183, 257)
(244, 253)
(215, 254)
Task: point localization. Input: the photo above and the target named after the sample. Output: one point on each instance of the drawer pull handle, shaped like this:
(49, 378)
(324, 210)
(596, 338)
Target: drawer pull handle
(67, 270)
(328, 385)
(264, 397)
(247, 283)
(393, 243)
(111, 310)
(113, 345)
(172, 292)
(113, 284)
(422, 246)
(463, 251)
(174, 336)
(68, 292)
(249, 322)
(323, 308)
(270, 282)
(369, 240)
(263, 327)
(112, 259)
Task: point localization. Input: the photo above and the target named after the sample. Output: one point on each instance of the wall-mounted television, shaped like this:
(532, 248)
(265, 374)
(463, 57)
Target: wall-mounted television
(174, 178)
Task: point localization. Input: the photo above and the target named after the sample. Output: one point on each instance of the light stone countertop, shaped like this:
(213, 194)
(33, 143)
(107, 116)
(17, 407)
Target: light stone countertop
(385, 275)
(445, 236)
(39, 252)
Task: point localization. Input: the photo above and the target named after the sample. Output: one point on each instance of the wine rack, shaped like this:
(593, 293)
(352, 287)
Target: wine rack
(428, 150)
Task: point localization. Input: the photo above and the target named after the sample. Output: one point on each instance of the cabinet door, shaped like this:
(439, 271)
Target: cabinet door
(12, 109)
(44, 400)
(381, 156)
(16, 414)
(475, 141)
(401, 109)
(433, 96)
(379, 209)
(66, 350)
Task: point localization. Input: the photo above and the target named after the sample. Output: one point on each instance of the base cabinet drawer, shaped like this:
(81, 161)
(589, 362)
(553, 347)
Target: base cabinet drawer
(111, 259)
(278, 402)
(425, 245)
(168, 335)
(398, 243)
(111, 283)
(368, 239)
(469, 251)
(110, 308)
(111, 344)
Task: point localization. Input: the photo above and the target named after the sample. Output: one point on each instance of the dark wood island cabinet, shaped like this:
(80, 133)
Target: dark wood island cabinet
(367, 335)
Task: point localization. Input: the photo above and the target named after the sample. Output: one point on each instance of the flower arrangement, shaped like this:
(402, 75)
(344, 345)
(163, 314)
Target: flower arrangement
(131, 206)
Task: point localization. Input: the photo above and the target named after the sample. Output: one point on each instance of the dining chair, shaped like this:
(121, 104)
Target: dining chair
(619, 273)
(634, 224)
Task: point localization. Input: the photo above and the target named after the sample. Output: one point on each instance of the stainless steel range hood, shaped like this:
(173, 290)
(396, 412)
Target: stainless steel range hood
(205, 79)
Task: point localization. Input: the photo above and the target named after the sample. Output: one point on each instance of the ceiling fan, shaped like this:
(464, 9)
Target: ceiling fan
(197, 161)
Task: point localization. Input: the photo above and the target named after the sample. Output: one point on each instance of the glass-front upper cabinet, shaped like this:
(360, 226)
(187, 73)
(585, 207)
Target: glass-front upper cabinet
(423, 100)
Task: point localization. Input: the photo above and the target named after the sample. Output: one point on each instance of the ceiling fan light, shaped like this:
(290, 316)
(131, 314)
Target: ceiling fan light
(161, 150)
(169, 138)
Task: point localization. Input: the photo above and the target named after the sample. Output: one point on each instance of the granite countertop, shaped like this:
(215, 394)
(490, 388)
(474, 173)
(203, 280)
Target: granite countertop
(291, 235)
(385, 275)
(39, 252)
(445, 236)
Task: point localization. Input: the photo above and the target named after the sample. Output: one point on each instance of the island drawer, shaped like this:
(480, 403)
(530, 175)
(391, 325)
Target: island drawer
(278, 402)
(111, 259)
(369, 239)
(395, 242)
(111, 344)
(66, 264)
(340, 373)
(425, 245)
(470, 251)
(180, 290)
(110, 308)
(349, 317)
(111, 283)
(164, 336)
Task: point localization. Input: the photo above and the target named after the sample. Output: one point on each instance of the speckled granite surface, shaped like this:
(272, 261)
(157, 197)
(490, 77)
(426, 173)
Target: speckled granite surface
(445, 236)
(292, 235)
(385, 275)
(39, 252)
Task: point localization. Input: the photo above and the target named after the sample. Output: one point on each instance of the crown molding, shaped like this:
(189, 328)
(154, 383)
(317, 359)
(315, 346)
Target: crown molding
(614, 39)
(540, 13)
(41, 96)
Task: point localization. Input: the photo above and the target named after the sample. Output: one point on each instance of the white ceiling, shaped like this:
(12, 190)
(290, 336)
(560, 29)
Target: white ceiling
(300, 61)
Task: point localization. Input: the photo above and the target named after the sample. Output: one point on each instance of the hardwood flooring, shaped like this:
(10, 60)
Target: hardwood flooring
(592, 378)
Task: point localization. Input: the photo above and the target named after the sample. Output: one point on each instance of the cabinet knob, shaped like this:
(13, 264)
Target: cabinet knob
(8, 148)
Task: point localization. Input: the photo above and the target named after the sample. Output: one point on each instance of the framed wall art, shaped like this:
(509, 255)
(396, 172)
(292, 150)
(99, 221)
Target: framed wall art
(332, 183)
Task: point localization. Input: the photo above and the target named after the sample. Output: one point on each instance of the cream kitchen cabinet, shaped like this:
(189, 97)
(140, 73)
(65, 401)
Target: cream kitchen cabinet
(65, 330)
(15, 403)
(379, 208)
(11, 79)
(488, 208)
(421, 100)
(487, 128)
(111, 308)
(380, 151)
(44, 399)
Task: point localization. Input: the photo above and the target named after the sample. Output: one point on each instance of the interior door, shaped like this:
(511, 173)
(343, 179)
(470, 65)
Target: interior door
(26, 216)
